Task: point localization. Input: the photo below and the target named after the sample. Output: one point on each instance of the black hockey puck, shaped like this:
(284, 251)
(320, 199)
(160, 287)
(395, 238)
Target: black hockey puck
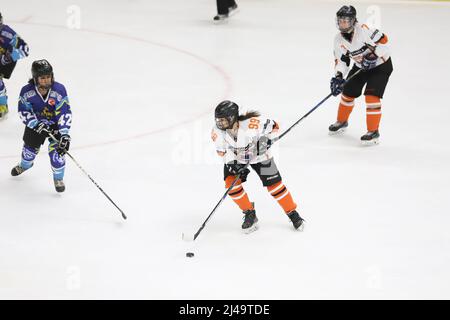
(189, 254)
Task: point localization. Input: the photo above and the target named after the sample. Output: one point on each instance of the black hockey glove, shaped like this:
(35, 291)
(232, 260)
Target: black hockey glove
(42, 128)
(63, 144)
(337, 84)
(236, 168)
(263, 144)
(369, 61)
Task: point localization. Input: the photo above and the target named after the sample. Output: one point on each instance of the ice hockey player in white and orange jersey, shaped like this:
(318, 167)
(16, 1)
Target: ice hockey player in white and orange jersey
(368, 49)
(247, 138)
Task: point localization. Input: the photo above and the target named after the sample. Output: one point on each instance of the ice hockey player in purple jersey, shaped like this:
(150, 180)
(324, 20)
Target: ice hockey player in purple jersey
(44, 108)
(12, 48)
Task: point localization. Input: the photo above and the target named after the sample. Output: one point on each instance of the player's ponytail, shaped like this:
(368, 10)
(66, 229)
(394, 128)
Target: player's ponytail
(248, 115)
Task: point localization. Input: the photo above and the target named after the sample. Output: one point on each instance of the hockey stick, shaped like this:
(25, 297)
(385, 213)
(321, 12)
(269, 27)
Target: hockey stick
(192, 238)
(93, 181)
(310, 111)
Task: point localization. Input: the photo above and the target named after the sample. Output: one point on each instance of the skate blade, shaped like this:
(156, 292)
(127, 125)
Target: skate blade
(251, 229)
(372, 142)
(223, 21)
(338, 132)
(301, 228)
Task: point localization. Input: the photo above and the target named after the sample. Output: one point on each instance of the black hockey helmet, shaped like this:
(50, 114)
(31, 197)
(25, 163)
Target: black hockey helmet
(347, 13)
(226, 110)
(1, 19)
(41, 68)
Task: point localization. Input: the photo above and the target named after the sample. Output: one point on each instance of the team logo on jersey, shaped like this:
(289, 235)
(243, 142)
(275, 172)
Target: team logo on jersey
(359, 51)
(47, 113)
(56, 95)
(358, 55)
(241, 149)
(51, 102)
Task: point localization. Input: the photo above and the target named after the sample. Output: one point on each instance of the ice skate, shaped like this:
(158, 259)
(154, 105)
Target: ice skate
(220, 18)
(370, 138)
(59, 186)
(337, 128)
(297, 221)
(223, 17)
(18, 170)
(250, 223)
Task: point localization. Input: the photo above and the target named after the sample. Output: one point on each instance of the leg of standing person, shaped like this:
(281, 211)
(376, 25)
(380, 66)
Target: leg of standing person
(352, 90)
(222, 7)
(225, 8)
(374, 91)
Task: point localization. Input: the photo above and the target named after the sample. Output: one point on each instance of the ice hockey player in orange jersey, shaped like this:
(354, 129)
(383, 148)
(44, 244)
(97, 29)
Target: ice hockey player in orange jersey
(369, 51)
(247, 138)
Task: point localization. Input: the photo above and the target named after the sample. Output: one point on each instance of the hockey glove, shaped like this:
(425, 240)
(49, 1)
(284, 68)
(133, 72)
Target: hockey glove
(42, 127)
(20, 49)
(369, 61)
(337, 84)
(236, 168)
(63, 144)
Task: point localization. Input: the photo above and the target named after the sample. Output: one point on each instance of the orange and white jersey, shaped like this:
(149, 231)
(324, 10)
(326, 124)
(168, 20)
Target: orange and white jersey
(363, 41)
(243, 147)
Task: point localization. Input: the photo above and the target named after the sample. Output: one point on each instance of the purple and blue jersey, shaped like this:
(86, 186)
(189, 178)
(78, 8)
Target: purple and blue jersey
(12, 48)
(7, 36)
(54, 108)
(12, 43)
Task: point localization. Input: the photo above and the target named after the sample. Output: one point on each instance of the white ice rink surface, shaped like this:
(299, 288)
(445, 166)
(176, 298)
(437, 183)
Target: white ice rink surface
(143, 79)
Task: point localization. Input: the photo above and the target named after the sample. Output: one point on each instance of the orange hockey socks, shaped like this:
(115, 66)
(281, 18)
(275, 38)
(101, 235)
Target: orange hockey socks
(373, 112)
(238, 194)
(283, 196)
(345, 108)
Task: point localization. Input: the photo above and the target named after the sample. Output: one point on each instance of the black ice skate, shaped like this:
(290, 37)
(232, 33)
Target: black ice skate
(337, 127)
(17, 170)
(297, 221)
(250, 223)
(370, 138)
(220, 18)
(59, 186)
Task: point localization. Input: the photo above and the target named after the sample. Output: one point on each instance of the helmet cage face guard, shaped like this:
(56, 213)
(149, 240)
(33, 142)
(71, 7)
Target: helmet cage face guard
(348, 21)
(47, 86)
(224, 123)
